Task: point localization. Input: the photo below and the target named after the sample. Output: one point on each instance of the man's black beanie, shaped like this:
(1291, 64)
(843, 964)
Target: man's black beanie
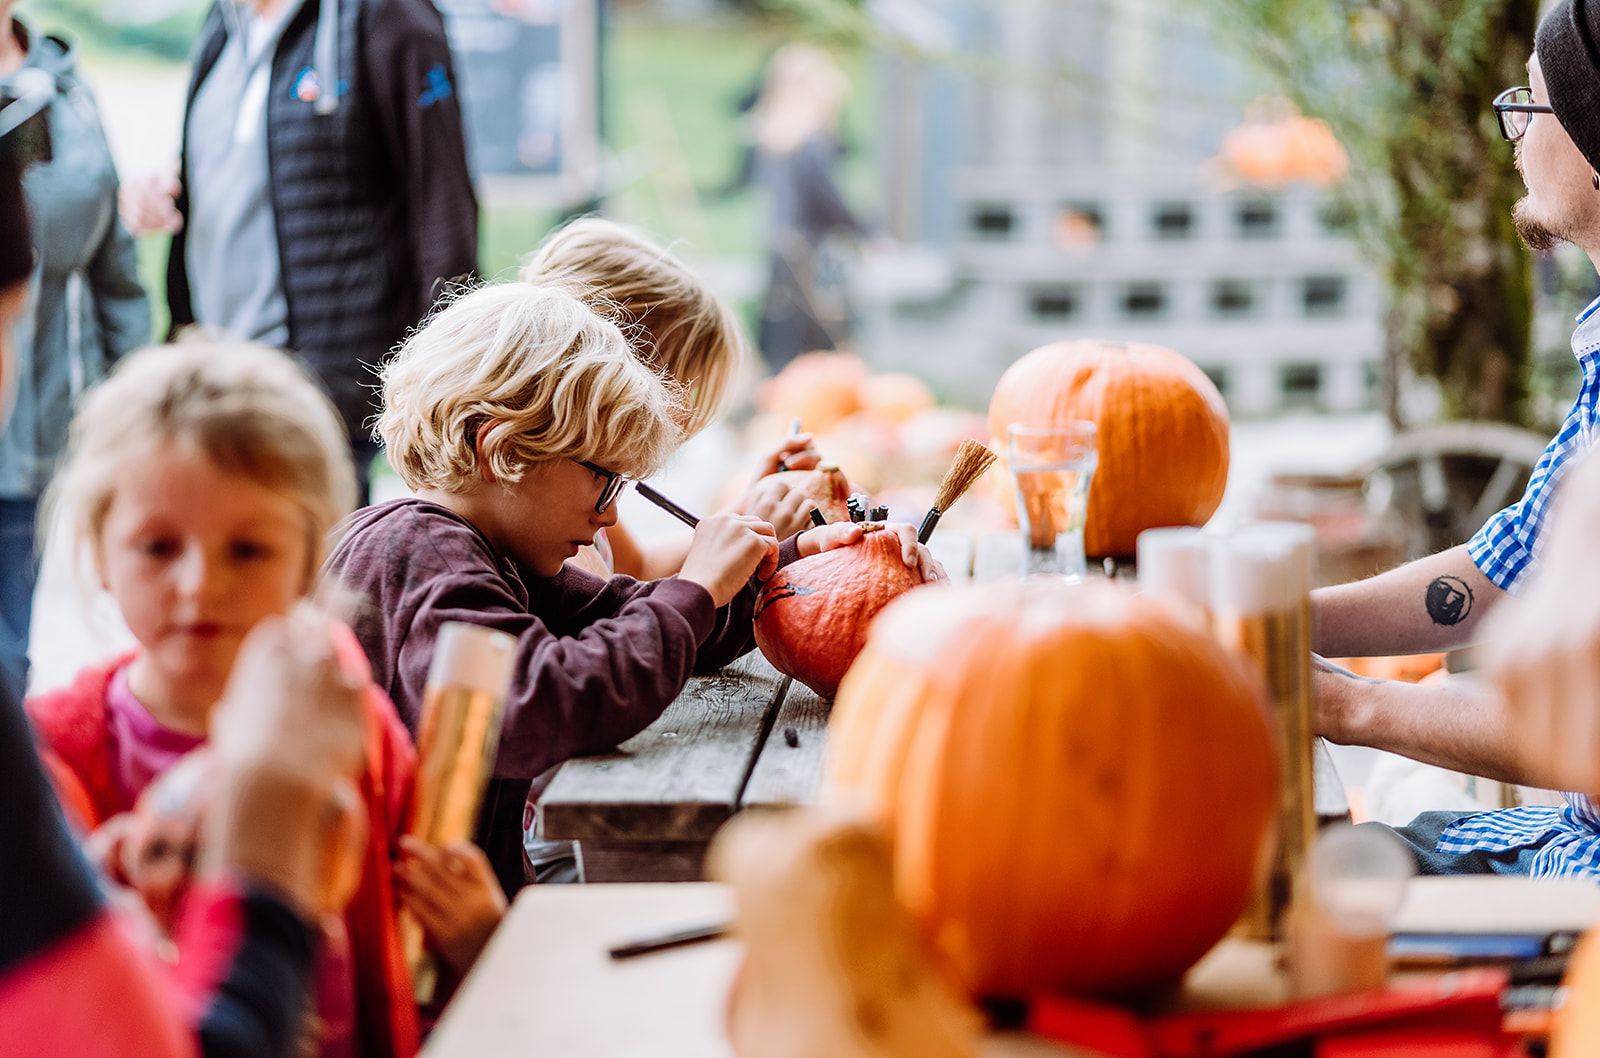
(1568, 47)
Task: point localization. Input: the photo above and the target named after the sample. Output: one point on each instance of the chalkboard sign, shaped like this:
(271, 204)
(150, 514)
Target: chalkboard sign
(528, 74)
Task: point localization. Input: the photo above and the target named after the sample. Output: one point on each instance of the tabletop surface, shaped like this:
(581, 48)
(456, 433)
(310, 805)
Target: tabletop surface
(545, 985)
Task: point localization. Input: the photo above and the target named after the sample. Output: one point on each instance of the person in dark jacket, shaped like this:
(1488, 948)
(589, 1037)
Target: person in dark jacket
(323, 192)
(86, 310)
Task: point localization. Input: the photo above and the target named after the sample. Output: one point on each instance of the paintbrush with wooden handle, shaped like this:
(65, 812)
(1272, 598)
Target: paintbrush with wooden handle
(972, 461)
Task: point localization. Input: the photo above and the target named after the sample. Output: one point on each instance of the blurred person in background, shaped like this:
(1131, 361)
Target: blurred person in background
(85, 309)
(323, 193)
(796, 132)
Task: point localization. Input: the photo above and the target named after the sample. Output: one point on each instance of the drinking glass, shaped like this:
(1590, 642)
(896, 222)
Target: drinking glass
(1053, 467)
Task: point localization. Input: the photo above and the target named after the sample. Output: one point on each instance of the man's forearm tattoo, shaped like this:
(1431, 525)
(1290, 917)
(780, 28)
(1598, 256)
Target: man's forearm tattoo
(1449, 600)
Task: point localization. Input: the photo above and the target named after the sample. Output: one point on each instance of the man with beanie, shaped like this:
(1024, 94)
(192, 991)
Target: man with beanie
(1437, 603)
(323, 192)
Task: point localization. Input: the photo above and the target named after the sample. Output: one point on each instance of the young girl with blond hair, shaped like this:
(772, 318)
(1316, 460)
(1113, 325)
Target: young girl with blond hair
(200, 484)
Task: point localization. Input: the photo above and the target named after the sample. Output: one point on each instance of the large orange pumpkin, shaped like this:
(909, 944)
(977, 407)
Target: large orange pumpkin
(827, 486)
(812, 617)
(1163, 432)
(1076, 781)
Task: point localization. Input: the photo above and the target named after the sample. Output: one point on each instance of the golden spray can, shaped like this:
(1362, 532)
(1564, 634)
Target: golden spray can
(456, 745)
(1261, 580)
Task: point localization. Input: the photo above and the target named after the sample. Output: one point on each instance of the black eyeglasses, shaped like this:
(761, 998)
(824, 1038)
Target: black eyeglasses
(1515, 108)
(615, 483)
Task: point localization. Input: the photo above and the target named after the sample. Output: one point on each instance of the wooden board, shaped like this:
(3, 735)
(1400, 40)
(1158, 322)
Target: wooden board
(789, 768)
(545, 985)
(679, 779)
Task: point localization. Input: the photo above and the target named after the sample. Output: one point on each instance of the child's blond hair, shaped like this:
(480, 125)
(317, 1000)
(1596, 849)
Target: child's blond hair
(677, 325)
(561, 380)
(248, 408)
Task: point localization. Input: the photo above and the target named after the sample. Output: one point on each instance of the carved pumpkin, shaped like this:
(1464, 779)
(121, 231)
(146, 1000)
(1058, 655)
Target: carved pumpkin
(819, 389)
(1075, 780)
(1163, 433)
(812, 617)
(827, 486)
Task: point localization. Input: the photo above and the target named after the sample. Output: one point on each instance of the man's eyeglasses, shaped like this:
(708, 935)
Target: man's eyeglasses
(614, 485)
(1515, 108)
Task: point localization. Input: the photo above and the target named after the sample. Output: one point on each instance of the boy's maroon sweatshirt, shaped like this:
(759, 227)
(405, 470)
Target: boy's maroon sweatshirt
(597, 660)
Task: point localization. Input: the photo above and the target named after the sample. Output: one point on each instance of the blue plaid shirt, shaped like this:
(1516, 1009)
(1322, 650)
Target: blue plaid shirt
(1566, 839)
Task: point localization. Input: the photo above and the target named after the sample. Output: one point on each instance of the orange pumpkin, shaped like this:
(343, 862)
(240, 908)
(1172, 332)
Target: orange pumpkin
(1076, 781)
(1163, 432)
(819, 389)
(812, 617)
(896, 397)
(827, 486)
(1575, 1032)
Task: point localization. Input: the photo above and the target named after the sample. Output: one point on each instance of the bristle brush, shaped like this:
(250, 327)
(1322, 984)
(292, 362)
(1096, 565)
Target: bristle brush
(972, 461)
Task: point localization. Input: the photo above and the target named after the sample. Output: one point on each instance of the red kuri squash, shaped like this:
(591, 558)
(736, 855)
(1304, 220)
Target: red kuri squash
(812, 617)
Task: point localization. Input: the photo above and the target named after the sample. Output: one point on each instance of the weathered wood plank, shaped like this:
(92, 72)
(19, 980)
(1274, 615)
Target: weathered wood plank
(680, 778)
(788, 770)
(642, 861)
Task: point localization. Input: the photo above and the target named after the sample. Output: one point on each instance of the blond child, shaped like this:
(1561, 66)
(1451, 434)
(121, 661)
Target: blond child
(200, 482)
(678, 326)
(517, 416)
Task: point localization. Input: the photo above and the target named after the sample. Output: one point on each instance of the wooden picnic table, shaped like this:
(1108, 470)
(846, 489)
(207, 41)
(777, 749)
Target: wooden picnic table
(746, 737)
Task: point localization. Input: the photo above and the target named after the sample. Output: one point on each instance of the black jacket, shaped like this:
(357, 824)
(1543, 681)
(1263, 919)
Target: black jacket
(373, 203)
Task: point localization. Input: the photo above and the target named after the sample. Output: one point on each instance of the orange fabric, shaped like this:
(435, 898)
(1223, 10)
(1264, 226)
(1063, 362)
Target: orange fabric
(73, 729)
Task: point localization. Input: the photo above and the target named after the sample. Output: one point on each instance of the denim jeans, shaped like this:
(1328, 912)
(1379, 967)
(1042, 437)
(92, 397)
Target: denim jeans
(19, 569)
(1421, 836)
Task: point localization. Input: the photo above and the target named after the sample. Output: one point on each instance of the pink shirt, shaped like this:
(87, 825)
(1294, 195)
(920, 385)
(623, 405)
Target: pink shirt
(141, 748)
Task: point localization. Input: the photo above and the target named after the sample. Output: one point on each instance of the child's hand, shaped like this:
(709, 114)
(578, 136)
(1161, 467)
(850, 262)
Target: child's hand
(822, 538)
(776, 501)
(726, 551)
(792, 453)
(455, 896)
